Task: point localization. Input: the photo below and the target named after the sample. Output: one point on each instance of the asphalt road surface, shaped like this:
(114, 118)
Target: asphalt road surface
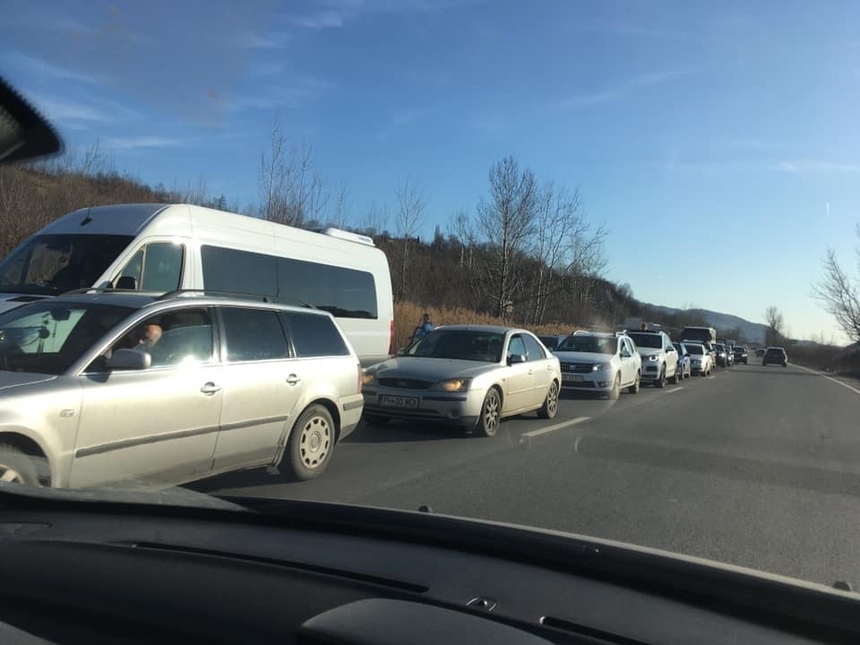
(755, 466)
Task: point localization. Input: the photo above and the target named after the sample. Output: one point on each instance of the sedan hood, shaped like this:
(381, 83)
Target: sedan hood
(16, 379)
(583, 357)
(431, 369)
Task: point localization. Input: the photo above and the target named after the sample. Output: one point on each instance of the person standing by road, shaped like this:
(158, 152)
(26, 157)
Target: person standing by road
(423, 329)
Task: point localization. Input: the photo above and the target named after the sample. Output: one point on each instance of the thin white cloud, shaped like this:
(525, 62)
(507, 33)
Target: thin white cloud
(326, 19)
(134, 143)
(622, 89)
(280, 96)
(77, 114)
(816, 166)
(33, 66)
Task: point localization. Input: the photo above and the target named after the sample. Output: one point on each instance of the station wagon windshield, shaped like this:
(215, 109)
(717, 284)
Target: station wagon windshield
(49, 337)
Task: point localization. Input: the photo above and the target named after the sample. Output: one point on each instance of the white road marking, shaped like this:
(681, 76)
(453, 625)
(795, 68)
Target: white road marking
(830, 378)
(576, 443)
(709, 378)
(557, 426)
(677, 389)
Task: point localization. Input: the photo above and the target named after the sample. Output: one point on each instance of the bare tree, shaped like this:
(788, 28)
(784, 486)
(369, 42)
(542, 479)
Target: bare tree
(839, 294)
(556, 216)
(292, 192)
(340, 211)
(408, 220)
(775, 325)
(375, 220)
(503, 226)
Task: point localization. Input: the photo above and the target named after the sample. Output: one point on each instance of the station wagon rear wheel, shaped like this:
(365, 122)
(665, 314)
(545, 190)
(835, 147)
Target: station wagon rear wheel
(311, 443)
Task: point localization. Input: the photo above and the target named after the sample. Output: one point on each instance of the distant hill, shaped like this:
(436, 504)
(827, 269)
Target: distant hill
(751, 332)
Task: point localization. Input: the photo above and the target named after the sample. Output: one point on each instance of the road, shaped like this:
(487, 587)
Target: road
(755, 466)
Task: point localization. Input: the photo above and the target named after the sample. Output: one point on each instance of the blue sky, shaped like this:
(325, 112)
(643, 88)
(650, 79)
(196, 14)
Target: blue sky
(721, 135)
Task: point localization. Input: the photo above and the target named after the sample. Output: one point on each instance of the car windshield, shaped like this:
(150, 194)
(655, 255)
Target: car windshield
(52, 264)
(467, 345)
(49, 337)
(591, 344)
(442, 183)
(650, 341)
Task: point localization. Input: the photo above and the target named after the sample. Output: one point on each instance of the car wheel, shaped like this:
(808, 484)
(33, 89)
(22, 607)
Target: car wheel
(550, 403)
(661, 382)
(311, 443)
(674, 378)
(491, 414)
(633, 389)
(375, 420)
(615, 392)
(17, 467)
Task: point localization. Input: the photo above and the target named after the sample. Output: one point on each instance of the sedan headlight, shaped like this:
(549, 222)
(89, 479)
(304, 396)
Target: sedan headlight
(600, 367)
(452, 385)
(368, 378)
(653, 358)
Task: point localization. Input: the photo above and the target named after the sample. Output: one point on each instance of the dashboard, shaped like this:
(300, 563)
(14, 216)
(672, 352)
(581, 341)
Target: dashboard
(320, 573)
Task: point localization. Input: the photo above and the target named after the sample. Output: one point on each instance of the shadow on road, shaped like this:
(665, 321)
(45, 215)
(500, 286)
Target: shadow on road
(735, 467)
(396, 432)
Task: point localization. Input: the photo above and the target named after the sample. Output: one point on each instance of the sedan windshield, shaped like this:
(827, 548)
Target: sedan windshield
(49, 337)
(592, 344)
(462, 344)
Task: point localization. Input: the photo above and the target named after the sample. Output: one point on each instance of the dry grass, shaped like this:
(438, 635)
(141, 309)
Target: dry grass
(408, 315)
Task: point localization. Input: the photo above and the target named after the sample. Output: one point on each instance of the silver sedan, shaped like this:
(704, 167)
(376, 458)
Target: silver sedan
(467, 375)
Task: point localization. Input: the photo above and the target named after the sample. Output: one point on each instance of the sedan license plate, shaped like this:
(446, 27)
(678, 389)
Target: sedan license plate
(572, 378)
(389, 401)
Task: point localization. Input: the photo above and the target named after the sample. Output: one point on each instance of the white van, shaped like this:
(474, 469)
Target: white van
(164, 247)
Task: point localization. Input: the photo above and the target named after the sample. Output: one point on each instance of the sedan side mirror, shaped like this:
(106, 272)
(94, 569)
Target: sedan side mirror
(514, 359)
(129, 359)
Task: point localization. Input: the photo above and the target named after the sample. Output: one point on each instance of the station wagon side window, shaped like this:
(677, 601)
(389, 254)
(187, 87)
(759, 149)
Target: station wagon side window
(253, 335)
(314, 335)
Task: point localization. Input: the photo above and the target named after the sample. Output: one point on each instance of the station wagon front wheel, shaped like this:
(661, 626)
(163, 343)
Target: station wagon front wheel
(16, 467)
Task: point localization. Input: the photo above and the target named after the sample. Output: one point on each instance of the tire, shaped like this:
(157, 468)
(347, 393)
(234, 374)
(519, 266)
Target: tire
(550, 404)
(634, 389)
(17, 467)
(491, 414)
(311, 443)
(615, 392)
(675, 379)
(375, 420)
(661, 382)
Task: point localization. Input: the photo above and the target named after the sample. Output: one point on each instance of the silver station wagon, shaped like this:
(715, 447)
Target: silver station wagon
(103, 388)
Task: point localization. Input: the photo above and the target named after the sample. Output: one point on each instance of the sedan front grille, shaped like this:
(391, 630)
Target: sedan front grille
(405, 383)
(577, 368)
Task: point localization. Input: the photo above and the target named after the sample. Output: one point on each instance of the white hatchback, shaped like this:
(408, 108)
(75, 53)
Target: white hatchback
(599, 362)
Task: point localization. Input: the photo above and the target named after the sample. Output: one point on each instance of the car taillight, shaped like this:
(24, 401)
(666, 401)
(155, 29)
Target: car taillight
(391, 338)
(360, 379)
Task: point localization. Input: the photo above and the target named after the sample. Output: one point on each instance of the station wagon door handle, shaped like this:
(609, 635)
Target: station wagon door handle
(210, 388)
(292, 379)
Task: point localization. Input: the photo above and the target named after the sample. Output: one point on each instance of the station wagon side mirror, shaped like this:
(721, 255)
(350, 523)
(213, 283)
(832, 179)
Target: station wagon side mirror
(515, 359)
(129, 359)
